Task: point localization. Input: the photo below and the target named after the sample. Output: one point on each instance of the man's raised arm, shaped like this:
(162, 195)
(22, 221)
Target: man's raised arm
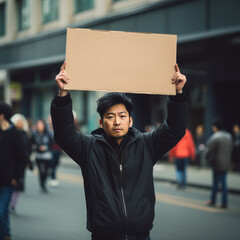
(62, 78)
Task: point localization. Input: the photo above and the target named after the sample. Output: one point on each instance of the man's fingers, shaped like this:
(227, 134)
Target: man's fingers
(177, 68)
(175, 77)
(178, 77)
(62, 76)
(63, 66)
(61, 80)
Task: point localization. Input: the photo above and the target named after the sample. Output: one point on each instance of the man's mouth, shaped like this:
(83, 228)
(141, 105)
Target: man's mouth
(117, 129)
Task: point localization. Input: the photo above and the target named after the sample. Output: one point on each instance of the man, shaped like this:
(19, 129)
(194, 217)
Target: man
(12, 161)
(218, 154)
(117, 160)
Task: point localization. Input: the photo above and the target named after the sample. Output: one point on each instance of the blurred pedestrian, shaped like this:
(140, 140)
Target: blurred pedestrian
(21, 124)
(42, 141)
(200, 143)
(181, 154)
(12, 159)
(218, 154)
(56, 152)
(236, 148)
(117, 160)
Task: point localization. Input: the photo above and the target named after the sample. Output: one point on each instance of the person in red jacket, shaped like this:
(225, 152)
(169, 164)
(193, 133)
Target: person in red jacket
(181, 154)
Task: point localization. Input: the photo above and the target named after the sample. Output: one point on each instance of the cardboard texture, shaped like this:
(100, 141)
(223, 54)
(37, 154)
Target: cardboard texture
(120, 61)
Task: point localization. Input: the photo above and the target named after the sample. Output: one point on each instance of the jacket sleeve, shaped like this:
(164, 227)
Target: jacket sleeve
(75, 144)
(167, 135)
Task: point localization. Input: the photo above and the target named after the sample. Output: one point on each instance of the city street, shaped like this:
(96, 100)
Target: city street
(61, 214)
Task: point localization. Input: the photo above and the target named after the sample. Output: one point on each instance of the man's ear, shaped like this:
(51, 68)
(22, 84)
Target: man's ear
(101, 123)
(130, 121)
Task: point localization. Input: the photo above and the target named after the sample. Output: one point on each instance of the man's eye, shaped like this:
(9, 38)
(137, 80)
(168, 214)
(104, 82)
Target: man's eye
(123, 116)
(109, 117)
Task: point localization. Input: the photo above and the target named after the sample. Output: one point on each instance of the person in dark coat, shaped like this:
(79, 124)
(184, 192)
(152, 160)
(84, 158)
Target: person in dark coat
(117, 160)
(21, 124)
(42, 142)
(56, 153)
(12, 158)
(218, 154)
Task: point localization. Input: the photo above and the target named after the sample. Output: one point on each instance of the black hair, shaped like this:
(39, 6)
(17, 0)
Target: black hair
(6, 110)
(218, 123)
(113, 98)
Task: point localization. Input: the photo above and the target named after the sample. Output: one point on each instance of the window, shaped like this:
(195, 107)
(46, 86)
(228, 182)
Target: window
(2, 19)
(49, 10)
(82, 5)
(23, 7)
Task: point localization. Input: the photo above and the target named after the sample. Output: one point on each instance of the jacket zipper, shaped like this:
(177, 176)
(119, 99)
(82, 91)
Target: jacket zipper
(123, 199)
(121, 170)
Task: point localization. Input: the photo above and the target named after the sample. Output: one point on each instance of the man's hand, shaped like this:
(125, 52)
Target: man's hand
(62, 78)
(42, 148)
(179, 80)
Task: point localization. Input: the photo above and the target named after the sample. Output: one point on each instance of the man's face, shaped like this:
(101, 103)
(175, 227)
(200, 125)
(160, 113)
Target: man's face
(40, 126)
(214, 128)
(236, 129)
(116, 122)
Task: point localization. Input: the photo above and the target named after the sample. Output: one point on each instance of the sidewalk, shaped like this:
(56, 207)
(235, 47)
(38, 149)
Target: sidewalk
(200, 178)
(165, 172)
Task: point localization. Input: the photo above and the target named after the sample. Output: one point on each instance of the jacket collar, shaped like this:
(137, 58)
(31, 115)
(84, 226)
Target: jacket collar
(100, 133)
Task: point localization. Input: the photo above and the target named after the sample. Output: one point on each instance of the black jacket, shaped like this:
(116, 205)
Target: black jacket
(12, 156)
(119, 193)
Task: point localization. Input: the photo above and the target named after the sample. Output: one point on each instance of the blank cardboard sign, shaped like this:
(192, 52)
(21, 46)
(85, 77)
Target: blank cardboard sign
(120, 61)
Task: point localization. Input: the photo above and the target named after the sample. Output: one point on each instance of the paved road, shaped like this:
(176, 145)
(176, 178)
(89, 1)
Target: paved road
(61, 215)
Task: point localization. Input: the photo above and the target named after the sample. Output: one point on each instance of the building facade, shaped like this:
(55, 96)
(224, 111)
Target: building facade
(33, 42)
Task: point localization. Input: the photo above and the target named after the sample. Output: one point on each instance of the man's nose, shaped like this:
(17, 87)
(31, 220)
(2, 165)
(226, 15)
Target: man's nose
(116, 121)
